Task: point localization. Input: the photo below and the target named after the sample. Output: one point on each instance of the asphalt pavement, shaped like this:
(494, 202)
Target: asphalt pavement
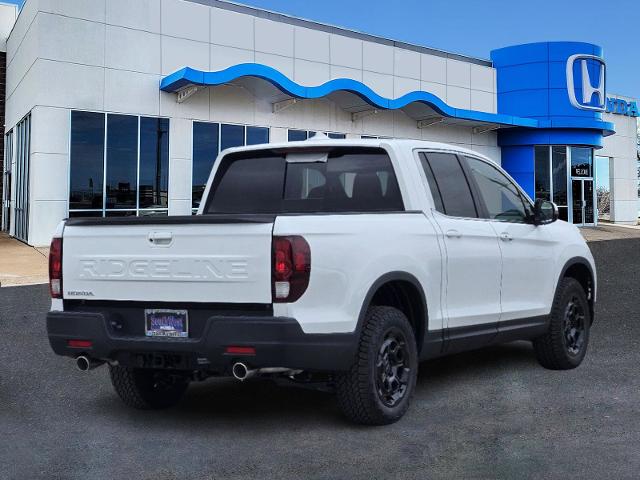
(492, 413)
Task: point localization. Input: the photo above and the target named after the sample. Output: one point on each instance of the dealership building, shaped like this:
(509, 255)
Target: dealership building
(119, 107)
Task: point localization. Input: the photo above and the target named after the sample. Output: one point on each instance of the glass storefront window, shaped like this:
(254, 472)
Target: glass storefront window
(136, 150)
(581, 162)
(206, 146)
(154, 163)
(87, 161)
(209, 139)
(559, 179)
(299, 135)
(122, 161)
(542, 177)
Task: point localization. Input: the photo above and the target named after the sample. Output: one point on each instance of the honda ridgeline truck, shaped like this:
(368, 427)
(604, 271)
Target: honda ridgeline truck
(346, 262)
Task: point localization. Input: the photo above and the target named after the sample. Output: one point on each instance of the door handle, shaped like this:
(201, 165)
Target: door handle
(453, 234)
(505, 237)
(160, 238)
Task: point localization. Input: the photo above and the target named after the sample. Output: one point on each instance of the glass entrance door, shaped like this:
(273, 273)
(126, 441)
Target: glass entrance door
(582, 201)
(582, 192)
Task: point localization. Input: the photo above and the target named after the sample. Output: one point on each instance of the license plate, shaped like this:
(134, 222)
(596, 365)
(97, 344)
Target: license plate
(166, 323)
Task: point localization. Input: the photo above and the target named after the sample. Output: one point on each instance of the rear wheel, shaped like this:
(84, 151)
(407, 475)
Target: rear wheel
(564, 345)
(378, 387)
(147, 389)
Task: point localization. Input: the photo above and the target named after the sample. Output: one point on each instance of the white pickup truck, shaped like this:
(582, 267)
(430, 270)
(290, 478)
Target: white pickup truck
(342, 261)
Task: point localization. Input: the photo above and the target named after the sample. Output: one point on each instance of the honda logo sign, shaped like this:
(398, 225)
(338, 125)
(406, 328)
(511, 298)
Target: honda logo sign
(588, 88)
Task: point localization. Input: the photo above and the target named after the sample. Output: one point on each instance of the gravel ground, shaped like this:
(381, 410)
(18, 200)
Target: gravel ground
(492, 413)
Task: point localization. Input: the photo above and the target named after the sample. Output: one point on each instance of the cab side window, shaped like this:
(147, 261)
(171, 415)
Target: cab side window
(503, 201)
(448, 184)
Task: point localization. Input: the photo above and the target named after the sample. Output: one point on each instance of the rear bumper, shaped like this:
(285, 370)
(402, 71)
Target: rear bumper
(278, 342)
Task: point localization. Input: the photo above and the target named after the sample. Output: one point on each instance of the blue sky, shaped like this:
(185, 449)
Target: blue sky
(474, 27)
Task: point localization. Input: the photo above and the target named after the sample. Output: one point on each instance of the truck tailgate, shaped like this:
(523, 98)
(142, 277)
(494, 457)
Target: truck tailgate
(186, 259)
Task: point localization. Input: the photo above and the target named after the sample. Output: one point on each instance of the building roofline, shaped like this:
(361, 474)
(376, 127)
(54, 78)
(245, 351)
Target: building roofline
(324, 27)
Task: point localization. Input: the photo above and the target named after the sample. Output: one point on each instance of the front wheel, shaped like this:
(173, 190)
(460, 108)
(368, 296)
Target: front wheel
(377, 388)
(564, 345)
(147, 389)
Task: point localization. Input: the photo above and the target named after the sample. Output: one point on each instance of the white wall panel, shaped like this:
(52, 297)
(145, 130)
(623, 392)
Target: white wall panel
(70, 39)
(433, 68)
(311, 45)
(135, 50)
(180, 179)
(93, 10)
(379, 83)
(311, 73)
(345, 72)
(185, 20)
(458, 73)
(483, 101)
(44, 217)
(407, 63)
(178, 53)
(68, 85)
(22, 25)
(225, 57)
(438, 89)
(283, 64)
(273, 37)
(402, 86)
(27, 53)
(232, 29)
(131, 92)
(345, 51)
(49, 176)
(195, 107)
(377, 57)
(138, 14)
(483, 78)
(50, 130)
(179, 207)
(459, 97)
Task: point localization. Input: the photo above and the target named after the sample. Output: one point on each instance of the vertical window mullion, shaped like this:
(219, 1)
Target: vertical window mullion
(551, 188)
(104, 168)
(138, 173)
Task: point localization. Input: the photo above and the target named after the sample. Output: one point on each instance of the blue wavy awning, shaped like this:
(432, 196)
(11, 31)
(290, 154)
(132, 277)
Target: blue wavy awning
(191, 77)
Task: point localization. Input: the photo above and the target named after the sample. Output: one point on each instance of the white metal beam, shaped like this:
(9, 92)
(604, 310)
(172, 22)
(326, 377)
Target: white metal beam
(485, 129)
(283, 104)
(355, 116)
(427, 122)
(187, 92)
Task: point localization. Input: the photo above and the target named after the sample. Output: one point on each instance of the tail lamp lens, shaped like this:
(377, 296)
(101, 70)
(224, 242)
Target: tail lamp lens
(291, 268)
(55, 268)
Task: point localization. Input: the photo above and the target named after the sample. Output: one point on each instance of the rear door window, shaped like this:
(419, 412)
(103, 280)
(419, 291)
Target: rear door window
(448, 184)
(352, 179)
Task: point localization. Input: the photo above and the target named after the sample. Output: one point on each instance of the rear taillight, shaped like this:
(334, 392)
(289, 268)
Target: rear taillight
(291, 268)
(55, 268)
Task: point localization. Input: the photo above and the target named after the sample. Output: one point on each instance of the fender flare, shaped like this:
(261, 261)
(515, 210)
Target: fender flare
(390, 277)
(584, 262)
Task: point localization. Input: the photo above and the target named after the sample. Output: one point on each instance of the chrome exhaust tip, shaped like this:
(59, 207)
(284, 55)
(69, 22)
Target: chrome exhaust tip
(85, 363)
(241, 371)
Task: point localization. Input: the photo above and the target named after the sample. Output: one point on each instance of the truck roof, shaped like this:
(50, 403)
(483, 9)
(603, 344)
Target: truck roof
(323, 140)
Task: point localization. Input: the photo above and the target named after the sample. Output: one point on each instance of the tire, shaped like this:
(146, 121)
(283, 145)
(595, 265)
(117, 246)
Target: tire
(386, 349)
(564, 345)
(146, 389)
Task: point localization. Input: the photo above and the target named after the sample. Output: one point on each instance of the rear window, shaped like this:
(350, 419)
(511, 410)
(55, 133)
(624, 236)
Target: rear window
(350, 180)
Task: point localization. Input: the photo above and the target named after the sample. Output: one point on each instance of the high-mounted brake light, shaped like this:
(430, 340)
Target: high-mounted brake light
(55, 268)
(291, 268)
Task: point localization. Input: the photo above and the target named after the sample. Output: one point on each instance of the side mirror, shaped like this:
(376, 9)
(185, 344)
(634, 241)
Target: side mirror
(544, 212)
